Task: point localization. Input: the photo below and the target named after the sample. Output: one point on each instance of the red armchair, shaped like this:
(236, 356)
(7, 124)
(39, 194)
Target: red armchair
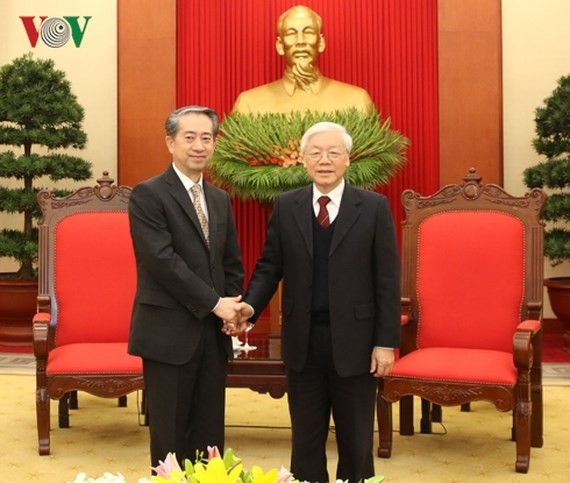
(87, 279)
(472, 272)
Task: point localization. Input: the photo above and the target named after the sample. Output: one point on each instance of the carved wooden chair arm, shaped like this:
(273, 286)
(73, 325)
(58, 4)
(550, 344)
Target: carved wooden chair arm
(408, 325)
(406, 304)
(40, 329)
(522, 343)
(534, 309)
(530, 325)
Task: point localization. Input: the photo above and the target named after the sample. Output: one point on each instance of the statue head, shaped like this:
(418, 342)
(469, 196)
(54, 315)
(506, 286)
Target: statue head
(300, 40)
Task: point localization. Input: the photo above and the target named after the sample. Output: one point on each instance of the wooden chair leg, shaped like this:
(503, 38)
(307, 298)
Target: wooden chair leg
(122, 401)
(523, 415)
(436, 413)
(384, 416)
(73, 400)
(466, 408)
(43, 420)
(537, 410)
(425, 422)
(63, 411)
(144, 408)
(513, 426)
(407, 416)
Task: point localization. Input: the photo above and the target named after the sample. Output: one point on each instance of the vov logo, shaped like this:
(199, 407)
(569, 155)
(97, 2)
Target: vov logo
(55, 31)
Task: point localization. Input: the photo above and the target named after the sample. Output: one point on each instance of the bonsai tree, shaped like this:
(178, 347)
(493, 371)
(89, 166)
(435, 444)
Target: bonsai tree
(39, 116)
(553, 141)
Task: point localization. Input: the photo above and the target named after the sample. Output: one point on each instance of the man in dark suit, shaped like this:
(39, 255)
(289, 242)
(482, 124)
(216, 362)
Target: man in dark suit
(190, 279)
(339, 262)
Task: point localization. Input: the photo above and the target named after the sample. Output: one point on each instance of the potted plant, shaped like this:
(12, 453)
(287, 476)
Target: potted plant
(39, 117)
(553, 141)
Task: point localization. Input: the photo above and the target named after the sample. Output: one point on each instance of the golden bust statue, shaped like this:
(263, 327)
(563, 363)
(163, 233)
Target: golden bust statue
(302, 87)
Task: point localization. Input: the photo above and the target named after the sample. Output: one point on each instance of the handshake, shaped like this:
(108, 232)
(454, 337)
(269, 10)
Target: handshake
(235, 315)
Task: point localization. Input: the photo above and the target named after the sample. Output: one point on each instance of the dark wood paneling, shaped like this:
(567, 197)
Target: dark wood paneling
(470, 89)
(146, 85)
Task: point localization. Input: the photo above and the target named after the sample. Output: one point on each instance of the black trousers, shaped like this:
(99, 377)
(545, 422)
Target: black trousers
(313, 395)
(186, 403)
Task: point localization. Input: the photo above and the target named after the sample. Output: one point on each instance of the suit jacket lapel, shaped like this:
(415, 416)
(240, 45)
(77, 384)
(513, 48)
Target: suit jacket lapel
(182, 197)
(348, 214)
(303, 215)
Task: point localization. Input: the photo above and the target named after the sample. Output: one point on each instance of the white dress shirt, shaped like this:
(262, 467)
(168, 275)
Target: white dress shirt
(333, 205)
(188, 183)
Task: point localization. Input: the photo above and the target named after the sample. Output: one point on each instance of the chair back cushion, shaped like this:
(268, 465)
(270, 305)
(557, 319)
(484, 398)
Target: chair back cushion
(470, 279)
(95, 277)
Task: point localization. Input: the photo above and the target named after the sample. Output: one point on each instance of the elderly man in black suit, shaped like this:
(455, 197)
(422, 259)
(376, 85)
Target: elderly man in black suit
(190, 279)
(334, 247)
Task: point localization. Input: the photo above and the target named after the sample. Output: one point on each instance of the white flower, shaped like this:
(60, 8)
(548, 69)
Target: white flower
(106, 478)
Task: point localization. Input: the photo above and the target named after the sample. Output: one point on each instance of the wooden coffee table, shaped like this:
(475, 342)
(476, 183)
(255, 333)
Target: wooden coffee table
(260, 370)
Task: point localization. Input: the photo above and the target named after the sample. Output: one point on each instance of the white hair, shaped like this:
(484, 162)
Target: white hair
(326, 127)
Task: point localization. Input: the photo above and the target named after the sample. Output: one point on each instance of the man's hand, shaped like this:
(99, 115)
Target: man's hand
(245, 312)
(239, 324)
(228, 309)
(232, 329)
(381, 361)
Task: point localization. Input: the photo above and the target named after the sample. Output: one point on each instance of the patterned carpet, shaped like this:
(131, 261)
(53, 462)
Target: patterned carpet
(466, 447)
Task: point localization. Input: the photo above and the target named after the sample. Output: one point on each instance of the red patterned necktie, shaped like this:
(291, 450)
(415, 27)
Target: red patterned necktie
(323, 216)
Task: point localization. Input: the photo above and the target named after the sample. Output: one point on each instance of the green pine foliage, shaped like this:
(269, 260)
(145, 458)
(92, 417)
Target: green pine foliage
(257, 156)
(553, 141)
(37, 110)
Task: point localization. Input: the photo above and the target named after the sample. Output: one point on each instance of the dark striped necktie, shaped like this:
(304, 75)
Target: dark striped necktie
(323, 216)
(196, 189)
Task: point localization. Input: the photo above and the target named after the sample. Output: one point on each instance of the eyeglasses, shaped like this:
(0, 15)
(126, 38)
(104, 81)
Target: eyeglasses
(331, 155)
